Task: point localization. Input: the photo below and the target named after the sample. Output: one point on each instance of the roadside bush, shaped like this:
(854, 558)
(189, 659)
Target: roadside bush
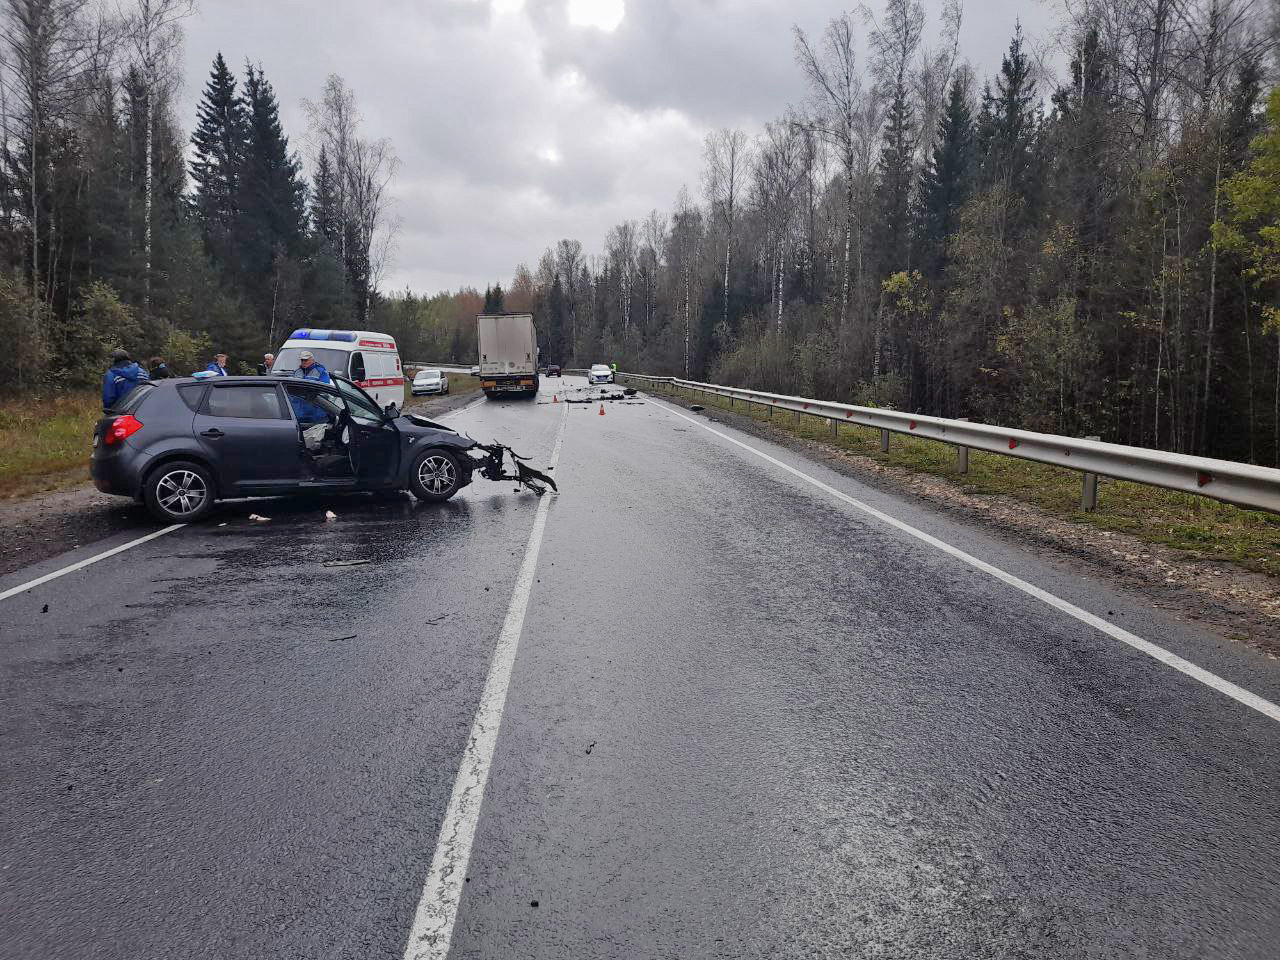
(100, 323)
(185, 351)
(25, 362)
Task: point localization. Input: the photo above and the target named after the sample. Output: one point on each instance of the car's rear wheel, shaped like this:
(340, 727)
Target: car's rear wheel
(179, 492)
(436, 476)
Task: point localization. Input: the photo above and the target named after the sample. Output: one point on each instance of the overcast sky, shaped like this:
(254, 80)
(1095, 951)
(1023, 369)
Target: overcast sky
(519, 122)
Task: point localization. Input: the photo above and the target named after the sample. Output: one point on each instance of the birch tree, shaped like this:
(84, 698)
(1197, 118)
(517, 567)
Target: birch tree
(153, 29)
(726, 161)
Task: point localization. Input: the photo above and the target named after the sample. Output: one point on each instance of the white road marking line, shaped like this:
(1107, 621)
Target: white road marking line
(14, 591)
(438, 907)
(1237, 693)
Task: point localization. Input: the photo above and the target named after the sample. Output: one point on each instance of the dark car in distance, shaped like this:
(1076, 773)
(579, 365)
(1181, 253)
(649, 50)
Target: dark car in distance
(180, 445)
(554, 370)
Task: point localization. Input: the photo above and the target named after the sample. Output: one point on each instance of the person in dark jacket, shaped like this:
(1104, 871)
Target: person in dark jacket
(219, 366)
(123, 376)
(159, 369)
(268, 359)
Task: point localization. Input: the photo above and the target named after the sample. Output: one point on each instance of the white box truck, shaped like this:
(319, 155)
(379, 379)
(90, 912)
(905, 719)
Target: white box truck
(508, 354)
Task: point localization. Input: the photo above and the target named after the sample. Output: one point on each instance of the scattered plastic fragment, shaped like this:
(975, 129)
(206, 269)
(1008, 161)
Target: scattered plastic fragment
(330, 515)
(347, 563)
(256, 518)
(696, 407)
(45, 609)
(590, 746)
(336, 639)
(222, 524)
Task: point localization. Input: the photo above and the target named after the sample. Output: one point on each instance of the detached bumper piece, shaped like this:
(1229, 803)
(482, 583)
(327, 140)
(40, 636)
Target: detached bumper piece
(492, 466)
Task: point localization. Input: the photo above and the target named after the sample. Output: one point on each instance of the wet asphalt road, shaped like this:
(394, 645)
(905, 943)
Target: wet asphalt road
(744, 721)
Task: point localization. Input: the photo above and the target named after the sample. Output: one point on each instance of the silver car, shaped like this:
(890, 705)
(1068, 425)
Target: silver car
(430, 381)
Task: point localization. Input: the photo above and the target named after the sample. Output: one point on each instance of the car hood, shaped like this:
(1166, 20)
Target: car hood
(415, 425)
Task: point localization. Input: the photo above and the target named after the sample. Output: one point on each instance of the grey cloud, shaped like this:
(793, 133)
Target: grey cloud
(503, 151)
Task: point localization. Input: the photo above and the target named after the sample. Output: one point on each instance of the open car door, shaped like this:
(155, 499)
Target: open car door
(374, 440)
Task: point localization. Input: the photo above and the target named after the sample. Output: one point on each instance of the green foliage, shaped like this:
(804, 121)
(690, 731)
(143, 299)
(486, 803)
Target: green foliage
(23, 322)
(186, 352)
(99, 324)
(1251, 227)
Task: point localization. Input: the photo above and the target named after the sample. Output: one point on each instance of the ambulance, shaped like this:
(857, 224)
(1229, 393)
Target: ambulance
(370, 360)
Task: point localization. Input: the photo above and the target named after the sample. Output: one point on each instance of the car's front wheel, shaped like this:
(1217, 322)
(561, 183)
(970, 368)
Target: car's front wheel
(436, 476)
(179, 492)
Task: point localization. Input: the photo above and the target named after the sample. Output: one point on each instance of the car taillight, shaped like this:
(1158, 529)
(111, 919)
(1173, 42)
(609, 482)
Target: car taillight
(121, 427)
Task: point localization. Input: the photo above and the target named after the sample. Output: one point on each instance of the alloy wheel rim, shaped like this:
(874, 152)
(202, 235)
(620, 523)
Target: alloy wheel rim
(436, 474)
(181, 492)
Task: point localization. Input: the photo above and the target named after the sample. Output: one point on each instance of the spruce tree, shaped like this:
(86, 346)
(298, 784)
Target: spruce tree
(326, 218)
(218, 144)
(1009, 121)
(947, 180)
(896, 173)
(271, 195)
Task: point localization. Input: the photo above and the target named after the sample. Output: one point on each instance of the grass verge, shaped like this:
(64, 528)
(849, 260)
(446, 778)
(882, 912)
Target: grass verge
(45, 442)
(1200, 527)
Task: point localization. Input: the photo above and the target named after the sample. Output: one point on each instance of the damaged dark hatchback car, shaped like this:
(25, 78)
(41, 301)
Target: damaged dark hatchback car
(180, 445)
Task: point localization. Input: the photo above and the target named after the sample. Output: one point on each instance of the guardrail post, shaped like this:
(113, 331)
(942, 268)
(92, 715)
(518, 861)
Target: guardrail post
(835, 429)
(962, 454)
(884, 441)
(1089, 489)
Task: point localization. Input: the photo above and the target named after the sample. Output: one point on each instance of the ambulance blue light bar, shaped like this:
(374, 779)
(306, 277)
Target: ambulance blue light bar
(346, 336)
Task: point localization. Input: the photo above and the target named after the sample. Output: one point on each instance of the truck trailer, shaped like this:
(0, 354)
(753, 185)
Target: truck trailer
(508, 354)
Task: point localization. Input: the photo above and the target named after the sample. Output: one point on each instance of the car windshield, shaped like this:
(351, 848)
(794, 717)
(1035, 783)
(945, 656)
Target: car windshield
(428, 375)
(288, 359)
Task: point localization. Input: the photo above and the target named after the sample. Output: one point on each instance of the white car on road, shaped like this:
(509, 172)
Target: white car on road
(430, 381)
(599, 373)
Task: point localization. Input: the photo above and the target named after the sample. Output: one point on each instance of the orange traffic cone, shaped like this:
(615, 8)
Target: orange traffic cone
(602, 409)
(555, 398)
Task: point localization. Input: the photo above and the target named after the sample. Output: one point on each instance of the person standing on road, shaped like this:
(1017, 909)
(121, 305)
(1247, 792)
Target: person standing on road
(159, 369)
(265, 366)
(311, 369)
(120, 379)
(219, 366)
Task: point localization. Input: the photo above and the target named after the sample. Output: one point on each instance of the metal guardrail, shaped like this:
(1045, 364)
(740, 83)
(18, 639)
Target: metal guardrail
(1242, 484)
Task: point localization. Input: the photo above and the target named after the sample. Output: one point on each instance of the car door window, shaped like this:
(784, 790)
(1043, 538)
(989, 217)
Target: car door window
(245, 402)
(312, 404)
(357, 367)
(362, 408)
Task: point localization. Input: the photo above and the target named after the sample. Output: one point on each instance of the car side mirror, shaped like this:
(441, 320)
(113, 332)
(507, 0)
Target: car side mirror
(391, 410)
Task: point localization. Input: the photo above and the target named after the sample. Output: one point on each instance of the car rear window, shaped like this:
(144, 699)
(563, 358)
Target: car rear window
(130, 402)
(250, 401)
(192, 394)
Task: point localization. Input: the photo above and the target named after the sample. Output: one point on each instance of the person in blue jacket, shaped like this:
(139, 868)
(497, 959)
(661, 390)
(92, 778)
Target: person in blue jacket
(123, 376)
(311, 369)
(219, 366)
